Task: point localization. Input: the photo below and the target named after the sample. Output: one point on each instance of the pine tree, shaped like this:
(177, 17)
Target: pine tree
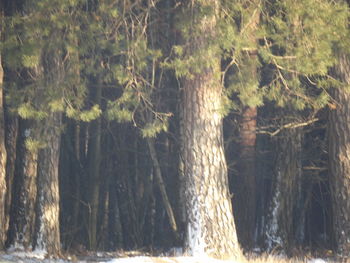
(210, 225)
(295, 47)
(42, 59)
(301, 45)
(248, 78)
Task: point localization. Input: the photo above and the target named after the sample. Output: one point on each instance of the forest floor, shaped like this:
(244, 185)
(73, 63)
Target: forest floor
(104, 257)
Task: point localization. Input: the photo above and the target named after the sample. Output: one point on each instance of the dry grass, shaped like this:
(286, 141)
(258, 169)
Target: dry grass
(265, 258)
(303, 258)
(256, 259)
(276, 259)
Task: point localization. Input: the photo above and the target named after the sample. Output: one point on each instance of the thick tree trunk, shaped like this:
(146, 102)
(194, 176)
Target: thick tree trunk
(245, 205)
(339, 160)
(210, 228)
(2, 155)
(285, 191)
(2, 146)
(47, 220)
(22, 215)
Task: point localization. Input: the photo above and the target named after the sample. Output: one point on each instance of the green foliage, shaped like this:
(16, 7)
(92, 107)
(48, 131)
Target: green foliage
(84, 115)
(27, 111)
(152, 129)
(35, 47)
(33, 145)
(299, 42)
(30, 61)
(122, 112)
(56, 105)
(60, 48)
(294, 39)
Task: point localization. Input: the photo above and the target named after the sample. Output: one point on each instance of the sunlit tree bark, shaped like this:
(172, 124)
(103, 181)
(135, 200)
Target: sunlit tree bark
(2, 146)
(47, 217)
(211, 228)
(47, 227)
(22, 212)
(339, 161)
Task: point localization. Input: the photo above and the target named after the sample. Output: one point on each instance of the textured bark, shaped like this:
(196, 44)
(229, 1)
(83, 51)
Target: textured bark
(285, 191)
(10, 125)
(47, 220)
(210, 227)
(25, 191)
(245, 205)
(2, 153)
(11, 145)
(339, 160)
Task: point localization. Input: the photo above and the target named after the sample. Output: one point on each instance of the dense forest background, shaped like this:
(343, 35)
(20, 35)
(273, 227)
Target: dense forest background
(103, 103)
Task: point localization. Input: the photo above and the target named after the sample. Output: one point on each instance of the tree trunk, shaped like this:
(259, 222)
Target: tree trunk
(285, 191)
(339, 160)
(47, 224)
(22, 216)
(115, 233)
(161, 185)
(2, 145)
(94, 153)
(11, 145)
(245, 205)
(210, 227)
(2, 152)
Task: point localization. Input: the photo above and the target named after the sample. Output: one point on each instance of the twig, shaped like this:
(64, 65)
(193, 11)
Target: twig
(291, 125)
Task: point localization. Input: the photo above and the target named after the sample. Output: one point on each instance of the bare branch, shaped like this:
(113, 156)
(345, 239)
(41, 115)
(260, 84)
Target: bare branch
(291, 125)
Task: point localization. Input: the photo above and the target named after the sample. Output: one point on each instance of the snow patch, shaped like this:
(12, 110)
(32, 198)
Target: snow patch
(39, 253)
(40, 244)
(317, 260)
(183, 259)
(37, 257)
(273, 237)
(196, 244)
(131, 260)
(36, 254)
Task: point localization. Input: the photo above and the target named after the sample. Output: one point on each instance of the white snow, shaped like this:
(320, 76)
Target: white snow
(273, 238)
(39, 257)
(317, 260)
(130, 260)
(195, 238)
(183, 259)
